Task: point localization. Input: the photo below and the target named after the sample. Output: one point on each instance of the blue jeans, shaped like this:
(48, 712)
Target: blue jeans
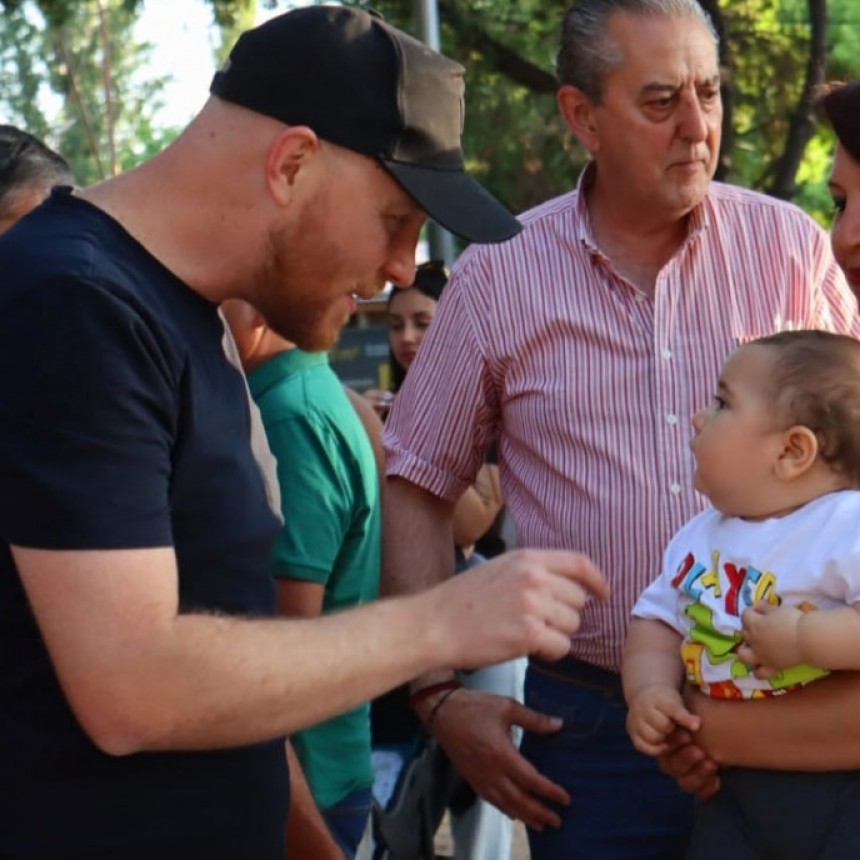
(622, 806)
(347, 819)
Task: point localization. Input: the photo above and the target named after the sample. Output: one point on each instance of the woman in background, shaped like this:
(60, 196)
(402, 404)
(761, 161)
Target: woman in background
(480, 831)
(841, 106)
(410, 312)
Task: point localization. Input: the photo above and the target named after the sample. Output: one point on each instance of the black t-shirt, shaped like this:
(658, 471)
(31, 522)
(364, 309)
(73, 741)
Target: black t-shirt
(122, 425)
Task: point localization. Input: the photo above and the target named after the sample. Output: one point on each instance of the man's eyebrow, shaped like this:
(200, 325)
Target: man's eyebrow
(713, 81)
(660, 87)
(657, 87)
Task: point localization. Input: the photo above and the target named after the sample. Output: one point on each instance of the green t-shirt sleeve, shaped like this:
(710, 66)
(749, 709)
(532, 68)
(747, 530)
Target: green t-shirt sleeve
(316, 497)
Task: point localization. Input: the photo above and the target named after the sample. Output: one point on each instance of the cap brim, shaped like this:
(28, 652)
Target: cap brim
(458, 202)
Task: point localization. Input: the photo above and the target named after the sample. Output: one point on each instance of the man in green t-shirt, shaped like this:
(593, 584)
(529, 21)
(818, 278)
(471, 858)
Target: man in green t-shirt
(327, 555)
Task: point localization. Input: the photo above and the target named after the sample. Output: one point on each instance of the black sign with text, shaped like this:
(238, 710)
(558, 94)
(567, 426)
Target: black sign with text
(360, 358)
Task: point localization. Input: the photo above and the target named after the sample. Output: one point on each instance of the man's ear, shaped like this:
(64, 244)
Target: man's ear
(799, 452)
(293, 149)
(578, 112)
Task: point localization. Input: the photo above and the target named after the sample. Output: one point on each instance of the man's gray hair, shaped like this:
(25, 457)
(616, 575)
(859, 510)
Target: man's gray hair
(25, 163)
(588, 53)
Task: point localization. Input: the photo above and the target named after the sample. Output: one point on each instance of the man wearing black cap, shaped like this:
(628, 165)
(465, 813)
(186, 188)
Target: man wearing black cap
(143, 692)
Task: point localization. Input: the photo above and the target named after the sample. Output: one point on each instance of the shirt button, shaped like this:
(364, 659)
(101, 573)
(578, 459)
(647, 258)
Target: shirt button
(640, 297)
(667, 354)
(675, 489)
(671, 420)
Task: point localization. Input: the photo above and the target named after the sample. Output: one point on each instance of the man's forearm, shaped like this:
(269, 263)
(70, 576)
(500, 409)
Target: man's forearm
(417, 539)
(192, 690)
(812, 729)
(417, 552)
(139, 675)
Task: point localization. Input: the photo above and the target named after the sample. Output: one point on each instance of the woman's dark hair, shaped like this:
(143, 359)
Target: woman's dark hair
(839, 104)
(430, 280)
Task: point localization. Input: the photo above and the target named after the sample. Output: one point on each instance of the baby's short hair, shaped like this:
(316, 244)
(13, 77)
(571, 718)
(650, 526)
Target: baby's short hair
(815, 382)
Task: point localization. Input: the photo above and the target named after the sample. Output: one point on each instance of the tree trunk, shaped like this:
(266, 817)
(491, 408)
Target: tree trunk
(802, 124)
(509, 63)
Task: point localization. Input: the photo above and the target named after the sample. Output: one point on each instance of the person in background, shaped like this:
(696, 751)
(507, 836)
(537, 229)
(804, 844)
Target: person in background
(760, 595)
(816, 731)
(326, 557)
(576, 349)
(28, 171)
(145, 688)
(410, 313)
(480, 830)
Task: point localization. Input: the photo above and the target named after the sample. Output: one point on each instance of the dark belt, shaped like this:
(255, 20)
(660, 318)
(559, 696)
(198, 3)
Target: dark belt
(580, 674)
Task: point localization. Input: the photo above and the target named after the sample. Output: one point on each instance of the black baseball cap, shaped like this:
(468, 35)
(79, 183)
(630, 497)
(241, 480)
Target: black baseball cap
(364, 85)
(841, 106)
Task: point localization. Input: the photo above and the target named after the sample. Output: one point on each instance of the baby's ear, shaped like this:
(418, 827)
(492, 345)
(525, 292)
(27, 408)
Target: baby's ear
(799, 452)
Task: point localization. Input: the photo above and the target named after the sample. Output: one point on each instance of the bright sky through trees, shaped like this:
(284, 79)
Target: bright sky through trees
(183, 40)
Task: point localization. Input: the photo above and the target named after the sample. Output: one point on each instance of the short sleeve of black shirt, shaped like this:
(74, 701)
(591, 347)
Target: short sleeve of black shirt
(86, 432)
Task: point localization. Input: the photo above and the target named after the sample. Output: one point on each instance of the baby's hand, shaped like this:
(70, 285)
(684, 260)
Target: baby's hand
(771, 640)
(654, 713)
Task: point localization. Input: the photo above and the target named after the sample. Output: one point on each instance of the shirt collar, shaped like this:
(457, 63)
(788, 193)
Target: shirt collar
(700, 216)
(284, 364)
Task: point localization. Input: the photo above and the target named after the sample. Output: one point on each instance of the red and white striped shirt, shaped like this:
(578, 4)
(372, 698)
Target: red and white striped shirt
(588, 385)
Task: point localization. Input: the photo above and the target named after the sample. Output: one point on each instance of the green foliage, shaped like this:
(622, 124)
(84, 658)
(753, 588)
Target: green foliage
(844, 39)
(767, 82)
(812, 193)
(69, 74)
(101, 111)
(232, 17)
(22, 71)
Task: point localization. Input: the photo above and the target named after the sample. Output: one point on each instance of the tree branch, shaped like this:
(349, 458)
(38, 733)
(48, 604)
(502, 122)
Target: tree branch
(66, 59)
(513, 66)
(107, 86)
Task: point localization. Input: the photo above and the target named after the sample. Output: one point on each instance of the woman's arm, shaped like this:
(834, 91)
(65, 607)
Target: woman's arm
(478, 507)
(813, 729)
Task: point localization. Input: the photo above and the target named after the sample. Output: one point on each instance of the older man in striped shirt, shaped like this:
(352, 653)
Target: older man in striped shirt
(582, 347)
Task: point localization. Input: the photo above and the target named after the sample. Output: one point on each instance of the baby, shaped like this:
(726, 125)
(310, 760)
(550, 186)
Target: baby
(760, 594)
